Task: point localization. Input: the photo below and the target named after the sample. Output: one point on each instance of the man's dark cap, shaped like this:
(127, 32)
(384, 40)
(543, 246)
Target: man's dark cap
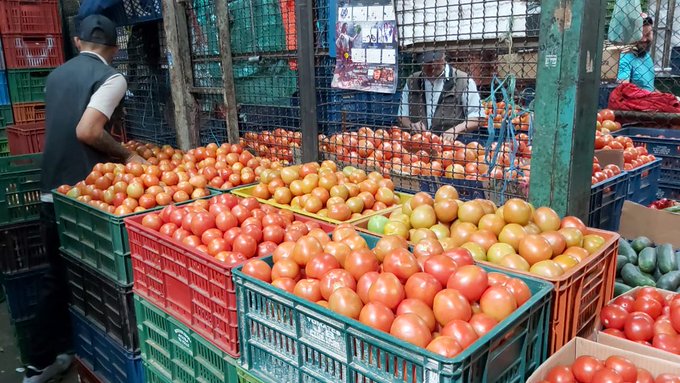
(98, 29)
(430, 56)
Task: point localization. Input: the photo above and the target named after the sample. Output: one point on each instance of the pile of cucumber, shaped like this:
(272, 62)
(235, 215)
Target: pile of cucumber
(640, 263)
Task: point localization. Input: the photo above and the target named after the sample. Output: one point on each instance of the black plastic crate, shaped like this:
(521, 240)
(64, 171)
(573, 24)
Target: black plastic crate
(23, 292)
(21, 248)
(103, 302)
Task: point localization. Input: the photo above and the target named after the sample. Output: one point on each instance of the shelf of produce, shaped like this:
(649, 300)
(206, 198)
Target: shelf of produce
(20, 188)
(103, 302)
(176, 353)
(247, 191)
(581, 292)
(288, 339)
(190, 285)
(21, 247)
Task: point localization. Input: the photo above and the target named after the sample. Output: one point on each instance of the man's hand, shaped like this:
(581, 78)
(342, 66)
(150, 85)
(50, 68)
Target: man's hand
(136, 158)
(418, 126)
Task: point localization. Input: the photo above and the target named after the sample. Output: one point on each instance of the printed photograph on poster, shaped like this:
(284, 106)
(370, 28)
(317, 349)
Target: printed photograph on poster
(366, 46)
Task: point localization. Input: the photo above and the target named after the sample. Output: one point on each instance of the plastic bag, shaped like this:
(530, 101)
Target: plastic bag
(625, 26)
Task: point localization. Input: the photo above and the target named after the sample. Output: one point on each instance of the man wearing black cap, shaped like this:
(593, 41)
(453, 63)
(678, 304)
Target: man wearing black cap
(440, 98)
(80, 97)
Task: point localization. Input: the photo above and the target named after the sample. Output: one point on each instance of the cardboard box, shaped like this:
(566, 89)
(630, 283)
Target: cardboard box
(658, 225)
(609, 340)
(610, 157)
(636, 353)
(523, 64)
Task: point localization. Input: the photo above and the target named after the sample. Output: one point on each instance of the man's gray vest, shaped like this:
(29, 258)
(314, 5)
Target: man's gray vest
(450, 110)
(68, 91)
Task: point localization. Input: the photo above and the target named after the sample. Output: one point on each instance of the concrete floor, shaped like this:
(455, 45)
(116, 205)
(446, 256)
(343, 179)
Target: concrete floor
(9, 354)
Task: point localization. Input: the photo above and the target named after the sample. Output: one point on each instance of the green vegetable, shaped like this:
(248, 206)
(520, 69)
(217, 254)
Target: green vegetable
(657, 274)
(620, 261)
(621, 288)
(633, 277)
(647, 259)
(665, 258)
(626, 250)
(673, 209)
(640, 243)
(670, 281)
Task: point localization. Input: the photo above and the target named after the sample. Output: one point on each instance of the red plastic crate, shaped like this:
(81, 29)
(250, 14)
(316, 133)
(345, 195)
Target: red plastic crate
(28, 112)
(26, 138)
(33, 51)
(29, 16)
(191, 286)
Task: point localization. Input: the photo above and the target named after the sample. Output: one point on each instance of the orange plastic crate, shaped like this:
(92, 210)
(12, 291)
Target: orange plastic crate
(28, 112)
(26, 138)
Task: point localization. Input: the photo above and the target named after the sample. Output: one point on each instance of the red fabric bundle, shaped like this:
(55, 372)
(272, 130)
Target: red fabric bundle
(629, 97)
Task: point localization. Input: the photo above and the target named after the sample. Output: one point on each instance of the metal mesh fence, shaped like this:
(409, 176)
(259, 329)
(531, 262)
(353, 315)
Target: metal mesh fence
(148, 109)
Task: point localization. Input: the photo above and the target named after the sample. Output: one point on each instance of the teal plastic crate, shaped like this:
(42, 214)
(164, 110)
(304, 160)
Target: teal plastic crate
(27, 85)
(6, 116)
(152, 375)
(4, 147)
(177, 353)
(19, 188)
(287, 339)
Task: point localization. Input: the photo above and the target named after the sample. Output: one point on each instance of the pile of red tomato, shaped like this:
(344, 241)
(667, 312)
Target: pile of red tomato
(606, 121)
(647, 317)
(633, 156)
(443, 303)
(229, 228)
(275, 145)
(615, 369)
(599, 174)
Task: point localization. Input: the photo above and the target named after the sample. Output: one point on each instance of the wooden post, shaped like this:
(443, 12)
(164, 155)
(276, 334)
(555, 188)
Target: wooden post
(222, 10)
(569, 63)
(186, 111)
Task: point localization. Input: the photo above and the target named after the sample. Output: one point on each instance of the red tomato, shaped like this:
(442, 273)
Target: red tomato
(305, 249)
(607, 375)
(623, 367)
(225, 221)
(422, 286)
(192, 241)
(667, 378)
(649, 305)
(180, 234)
(450, 304)
(519, 289)
(230, 258)
(201, 222)
(177, 216)
(265, 248)
(615, 332)
(497, 279)
(360, 262)
(613, 316)
(560, 374)
(335, 279)
(441, 267)
(217, 246)
(252, 231)
(651, 292)
(273, 233)
(419, 308)
(286, 284)
(345, 301)
(387, 290)
(153, 221)
(584, 367)
(463, 332)
(498, 302)
(667, 342)
(308, 289)
(675, 315)
(209, 235)
(364, 284)
(445, 346)
(644, 376)
(461, 256)
(639, 326)
(259, 269)
(471, 281)
(410, 328)
(320, 265)
(625, 301)
(377, 315)
(168, 229)
(286, 268)
(482, 323)
(401, 263)
(245, 245)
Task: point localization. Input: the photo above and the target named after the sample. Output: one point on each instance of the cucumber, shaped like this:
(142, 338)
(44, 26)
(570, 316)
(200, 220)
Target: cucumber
(621, 288)
(657, 274)
(626, 250)
(665, 259)
(677, 258)
(620, 261)
(670, 281)
(647, 259)
(640, 243)
(633, 277)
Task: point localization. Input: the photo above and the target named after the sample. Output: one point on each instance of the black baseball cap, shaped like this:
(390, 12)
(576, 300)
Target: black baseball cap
(430, 56)
(98, 29)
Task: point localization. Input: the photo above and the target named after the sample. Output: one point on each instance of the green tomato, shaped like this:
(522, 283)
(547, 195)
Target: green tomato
(376, 224)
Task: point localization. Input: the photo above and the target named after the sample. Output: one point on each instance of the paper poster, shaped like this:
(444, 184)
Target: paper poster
(366, 46)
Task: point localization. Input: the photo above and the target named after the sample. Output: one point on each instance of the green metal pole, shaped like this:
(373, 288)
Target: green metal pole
(569, 63)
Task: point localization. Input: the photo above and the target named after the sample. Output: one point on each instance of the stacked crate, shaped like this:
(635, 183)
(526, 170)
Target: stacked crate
(6, 117)
(23, 259)
(32, 45)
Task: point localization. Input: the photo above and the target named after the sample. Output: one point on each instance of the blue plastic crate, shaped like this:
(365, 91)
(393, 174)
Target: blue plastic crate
(644, 183)
(670, 191)
(670, 170)
(603, 98)
(606, 202)
(659, 142)
(383, 108)
(138, 11)
(102, 355)
(23, 292)
(4, 88)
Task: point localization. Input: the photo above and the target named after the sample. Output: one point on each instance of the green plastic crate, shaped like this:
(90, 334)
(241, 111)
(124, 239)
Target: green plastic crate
(4, 146)
(245, 377)
(19, 188)
(176, 352)
(285, 338)
(27, 85)
(152, 375)
(6, 116)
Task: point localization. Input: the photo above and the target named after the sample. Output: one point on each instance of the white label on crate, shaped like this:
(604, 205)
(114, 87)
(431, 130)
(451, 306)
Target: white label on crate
(431, 376)
(183, 338)
(323, 333)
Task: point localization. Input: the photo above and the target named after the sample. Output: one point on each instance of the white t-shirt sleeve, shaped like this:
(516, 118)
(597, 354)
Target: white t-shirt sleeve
(403, 106)
(109, 94)
(473, 101)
